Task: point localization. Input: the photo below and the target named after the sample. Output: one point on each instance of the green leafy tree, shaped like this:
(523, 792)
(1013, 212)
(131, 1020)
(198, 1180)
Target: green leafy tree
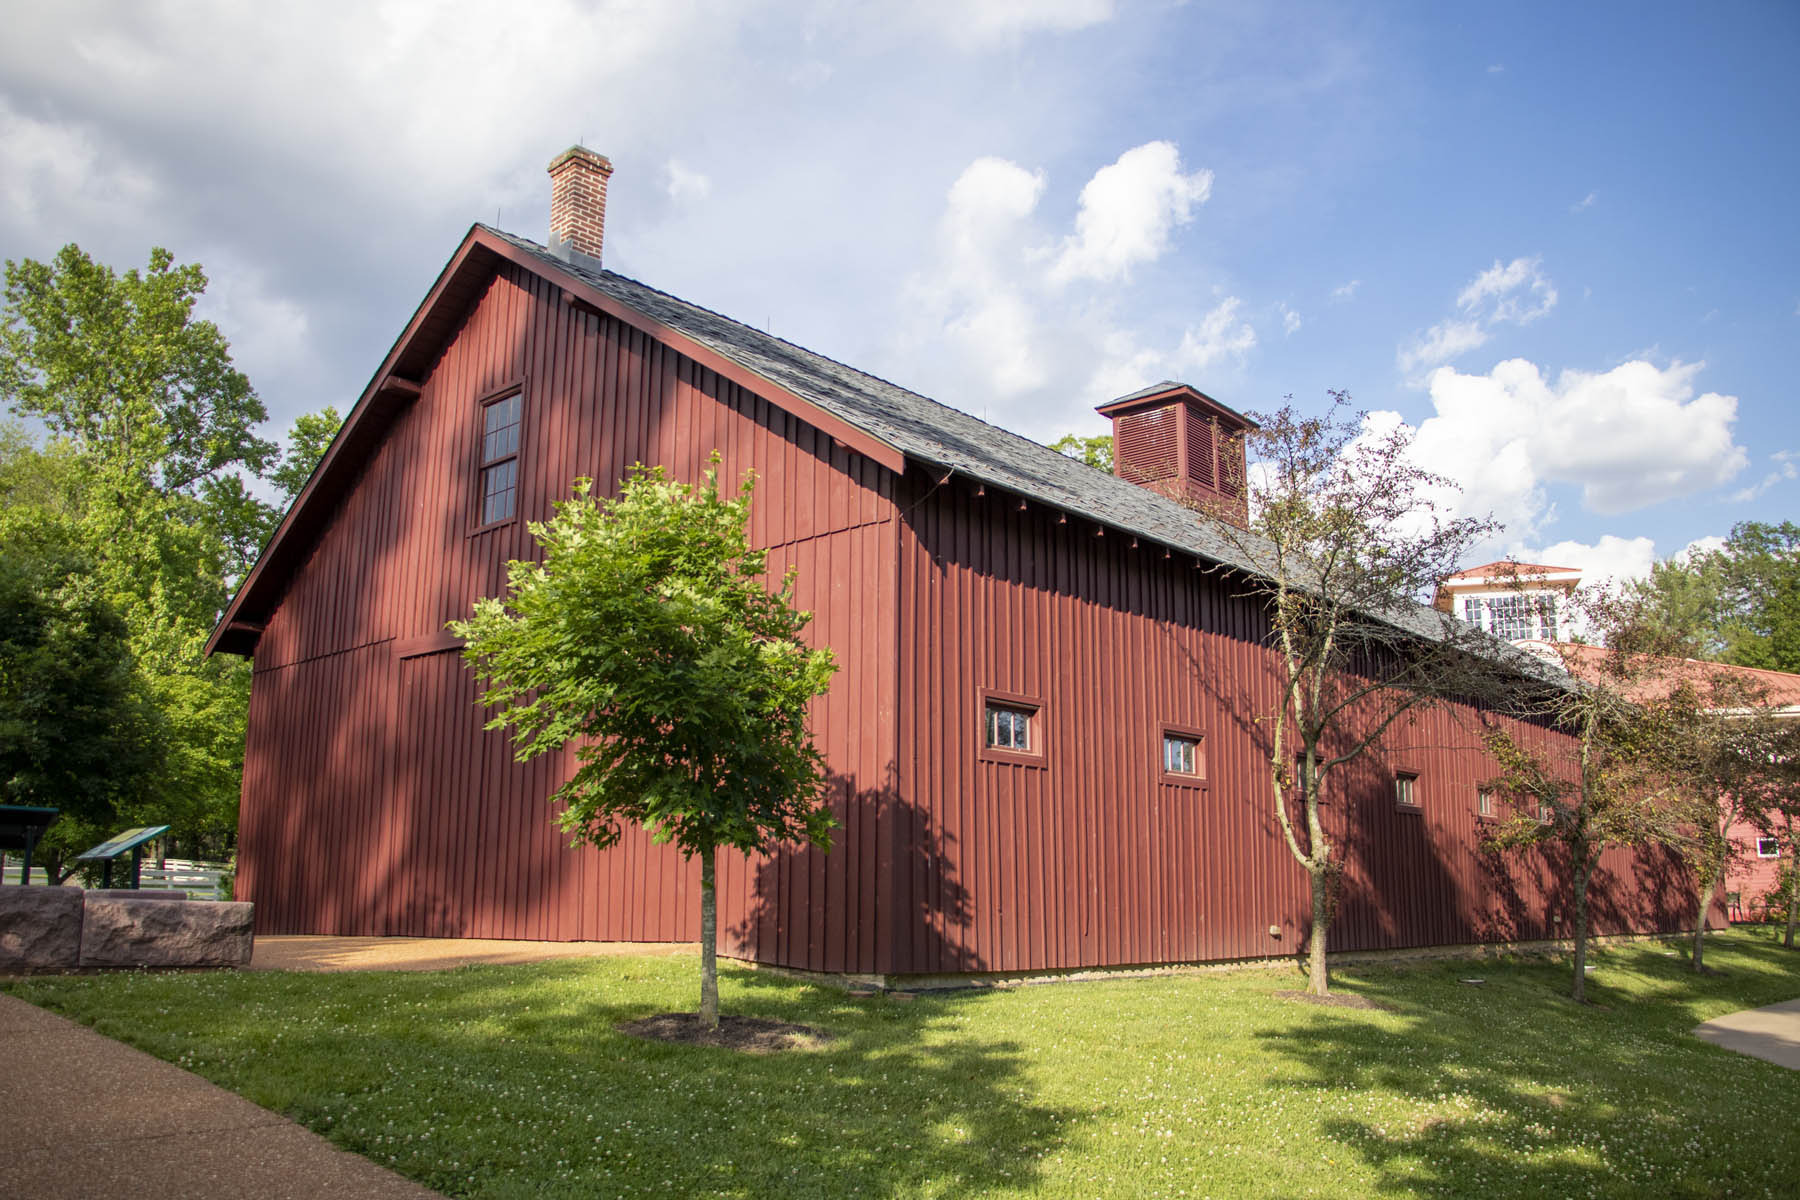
(78, 733)
(1345, 538)
(1739, 604)
(119, 366)
(648, 639)
(307, 442)
(1096, 451)
(152, 436)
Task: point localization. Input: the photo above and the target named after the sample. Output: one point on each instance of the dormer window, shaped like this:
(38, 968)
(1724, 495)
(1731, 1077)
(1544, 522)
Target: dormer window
(500, 459)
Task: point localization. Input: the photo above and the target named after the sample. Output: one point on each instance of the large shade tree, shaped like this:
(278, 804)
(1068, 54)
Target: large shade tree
(149, 449)
(649, 640)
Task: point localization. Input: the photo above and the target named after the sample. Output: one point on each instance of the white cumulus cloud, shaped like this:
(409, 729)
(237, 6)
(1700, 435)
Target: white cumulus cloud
(1514, 293)
(1128, 210)
(994, 324)
(1627, 438)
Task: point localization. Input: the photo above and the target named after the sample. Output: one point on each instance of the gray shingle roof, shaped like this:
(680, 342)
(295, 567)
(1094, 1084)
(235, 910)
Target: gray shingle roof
(945, 437)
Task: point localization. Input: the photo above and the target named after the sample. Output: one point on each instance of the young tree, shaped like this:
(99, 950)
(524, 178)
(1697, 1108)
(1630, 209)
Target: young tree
(1610, 788)
(1720, 745)
(648, 638)
(1345, 539)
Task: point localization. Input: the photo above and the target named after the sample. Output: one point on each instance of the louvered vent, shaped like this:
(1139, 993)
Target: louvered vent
(1181, 443)
(1200, 448)
(1144, 445)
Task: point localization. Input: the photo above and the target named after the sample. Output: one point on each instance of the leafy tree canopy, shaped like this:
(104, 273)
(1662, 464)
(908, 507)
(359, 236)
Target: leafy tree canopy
(1739, 604)
(1096, 451)
(119, 365)
(145, 477)
(78, 730)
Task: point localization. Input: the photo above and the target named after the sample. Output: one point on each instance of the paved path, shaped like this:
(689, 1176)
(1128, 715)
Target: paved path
(1772, 1033)
(307, 953)
(88, 1117)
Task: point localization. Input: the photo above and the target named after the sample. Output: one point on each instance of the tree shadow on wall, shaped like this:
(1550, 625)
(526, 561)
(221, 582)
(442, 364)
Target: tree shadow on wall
(886, 899)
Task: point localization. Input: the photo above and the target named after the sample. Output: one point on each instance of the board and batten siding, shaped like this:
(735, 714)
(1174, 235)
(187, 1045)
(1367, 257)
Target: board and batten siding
(374, 802)
(1093, 858)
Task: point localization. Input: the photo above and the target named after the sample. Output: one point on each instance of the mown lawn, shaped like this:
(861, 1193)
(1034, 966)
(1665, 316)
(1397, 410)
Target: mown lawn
(511, 1081)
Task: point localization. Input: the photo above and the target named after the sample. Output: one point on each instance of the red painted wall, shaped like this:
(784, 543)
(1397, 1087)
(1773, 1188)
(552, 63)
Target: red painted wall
(1091, 857)
(373, 801)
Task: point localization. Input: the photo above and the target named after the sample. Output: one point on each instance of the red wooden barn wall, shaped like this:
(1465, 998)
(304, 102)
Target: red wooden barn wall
(1091, 858)
(373, 801)
(375, 804)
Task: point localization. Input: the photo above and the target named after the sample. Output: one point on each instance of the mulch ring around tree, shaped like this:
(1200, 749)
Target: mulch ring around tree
(752, 1035)
(1337, 1000)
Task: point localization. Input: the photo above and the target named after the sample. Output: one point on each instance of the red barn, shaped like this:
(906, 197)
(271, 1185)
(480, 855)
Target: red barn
(1040, 737)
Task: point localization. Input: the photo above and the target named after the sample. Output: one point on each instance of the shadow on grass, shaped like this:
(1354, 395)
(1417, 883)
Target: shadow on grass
(1510, 1088)
(515, 1081)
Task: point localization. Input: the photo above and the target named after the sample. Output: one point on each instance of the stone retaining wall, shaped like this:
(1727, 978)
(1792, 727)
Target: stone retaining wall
(48, 929)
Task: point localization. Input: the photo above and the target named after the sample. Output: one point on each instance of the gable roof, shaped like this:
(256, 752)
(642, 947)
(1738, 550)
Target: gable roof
(1506, 568)
(1660, 676)
(880, 419)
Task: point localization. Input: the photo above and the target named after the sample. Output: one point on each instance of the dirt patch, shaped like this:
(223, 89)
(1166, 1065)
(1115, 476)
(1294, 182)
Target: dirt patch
(1337, 1000)
(752, 1035)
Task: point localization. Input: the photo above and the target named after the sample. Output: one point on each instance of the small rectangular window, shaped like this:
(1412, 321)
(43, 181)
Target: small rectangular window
(500, 420)
(1183, 756)
(1406, 791)
(1768, 847)
(1009, 728)
(1484, 802)
(1546, 814)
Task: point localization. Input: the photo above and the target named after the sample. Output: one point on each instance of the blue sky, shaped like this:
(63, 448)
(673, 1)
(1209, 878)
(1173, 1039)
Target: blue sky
(1557, 239)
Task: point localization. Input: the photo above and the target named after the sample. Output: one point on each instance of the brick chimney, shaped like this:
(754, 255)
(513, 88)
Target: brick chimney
(1178, 441)
(578, 202)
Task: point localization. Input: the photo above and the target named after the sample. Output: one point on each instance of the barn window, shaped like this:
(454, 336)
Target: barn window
(1183, 756)
(1767, 847)
(1406, 790)
(1012, 728)
(500, 459)
(1009, 728)
(1546, 814)
(1484, 802)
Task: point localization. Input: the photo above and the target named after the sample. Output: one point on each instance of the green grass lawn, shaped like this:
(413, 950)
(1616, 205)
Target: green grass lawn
(511, 1081)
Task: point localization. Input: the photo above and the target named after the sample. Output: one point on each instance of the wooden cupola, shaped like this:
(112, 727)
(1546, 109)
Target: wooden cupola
(1180, 442)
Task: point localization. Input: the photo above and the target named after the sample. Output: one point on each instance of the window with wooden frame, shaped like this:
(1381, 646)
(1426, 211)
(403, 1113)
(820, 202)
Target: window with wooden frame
(498, 472)
(1768, 847)
(1012, 728)
(1484, 802)
(1406, 791)
(1183, 756)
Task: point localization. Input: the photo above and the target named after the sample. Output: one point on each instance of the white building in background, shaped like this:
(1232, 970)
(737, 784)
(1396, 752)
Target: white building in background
(1517, 601)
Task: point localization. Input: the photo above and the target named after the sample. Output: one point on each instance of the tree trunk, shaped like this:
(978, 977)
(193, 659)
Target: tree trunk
(1793, 904)
(1317, 982)
(1578, 991)
(1705, 895)
(709, 948)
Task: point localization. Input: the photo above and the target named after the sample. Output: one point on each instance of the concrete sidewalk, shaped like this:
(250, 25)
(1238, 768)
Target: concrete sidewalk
(1771, 1033)
(88, 1117)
